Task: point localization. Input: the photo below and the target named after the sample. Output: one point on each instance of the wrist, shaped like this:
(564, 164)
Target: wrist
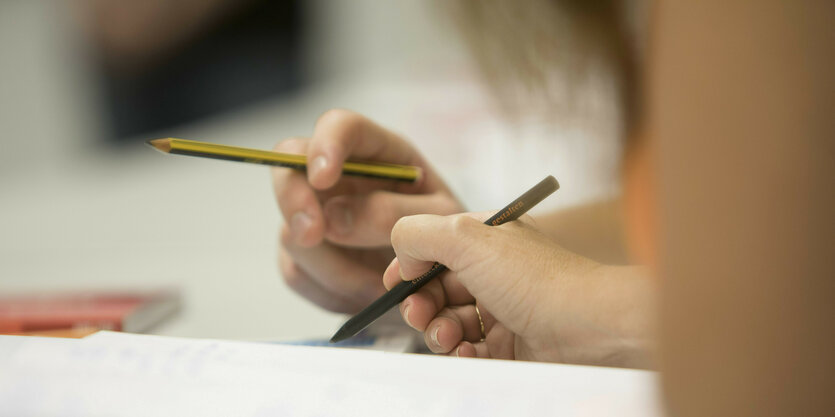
(604, 316)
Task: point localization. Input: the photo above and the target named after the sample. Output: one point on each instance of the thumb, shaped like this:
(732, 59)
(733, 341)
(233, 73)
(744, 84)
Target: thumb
(421, 240)
(494, 264)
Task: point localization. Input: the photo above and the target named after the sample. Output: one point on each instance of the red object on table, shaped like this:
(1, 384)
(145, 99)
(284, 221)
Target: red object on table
(129, 311)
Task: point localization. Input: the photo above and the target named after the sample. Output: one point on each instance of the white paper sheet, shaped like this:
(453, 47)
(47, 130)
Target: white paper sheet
(116, 374)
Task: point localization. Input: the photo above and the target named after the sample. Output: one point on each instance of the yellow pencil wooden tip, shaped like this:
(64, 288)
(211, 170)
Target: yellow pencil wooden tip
(163, 144)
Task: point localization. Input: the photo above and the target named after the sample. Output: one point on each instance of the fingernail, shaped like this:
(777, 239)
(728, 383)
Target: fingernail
(340, 217)
(434, 336)
(299, 224)
(406, 315)
(317, 164)
(456, 351)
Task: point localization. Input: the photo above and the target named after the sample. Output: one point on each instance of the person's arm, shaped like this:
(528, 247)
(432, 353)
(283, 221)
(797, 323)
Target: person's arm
(741, 110)
(594, 230)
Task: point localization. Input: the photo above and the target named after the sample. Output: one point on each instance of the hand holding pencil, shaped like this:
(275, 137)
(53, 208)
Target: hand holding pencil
(512, 293)
(335, 243)
(338, 212)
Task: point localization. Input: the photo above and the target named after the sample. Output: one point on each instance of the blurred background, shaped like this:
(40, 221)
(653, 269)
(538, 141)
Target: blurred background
(84, 204)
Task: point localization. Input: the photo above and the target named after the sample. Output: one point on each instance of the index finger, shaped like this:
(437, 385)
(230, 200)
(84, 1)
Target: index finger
(297, 201)
(342, 134)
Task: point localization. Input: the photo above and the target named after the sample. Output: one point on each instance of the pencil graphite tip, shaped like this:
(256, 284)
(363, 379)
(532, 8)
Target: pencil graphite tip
(163, 145)
(340, 335)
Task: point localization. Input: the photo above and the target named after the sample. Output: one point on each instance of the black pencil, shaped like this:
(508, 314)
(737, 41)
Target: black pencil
(402, 290)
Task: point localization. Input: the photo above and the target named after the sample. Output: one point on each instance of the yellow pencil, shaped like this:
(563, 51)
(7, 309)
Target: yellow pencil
(255, 156)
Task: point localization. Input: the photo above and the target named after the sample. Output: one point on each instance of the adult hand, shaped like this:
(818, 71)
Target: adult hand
(335, 242)
(537, 301)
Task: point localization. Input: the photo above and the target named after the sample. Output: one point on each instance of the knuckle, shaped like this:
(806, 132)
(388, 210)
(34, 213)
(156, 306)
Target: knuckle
(399, 230)
(293, 144)
(294, 280)
(283, 177)
(289, 189)
(473, 243)
(290, 272)
(338, 117)
(286, 237)
(387, 218)
(293, 193)
(462, 225)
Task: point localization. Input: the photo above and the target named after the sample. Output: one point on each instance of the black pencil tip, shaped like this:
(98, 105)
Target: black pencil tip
(340, 335)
